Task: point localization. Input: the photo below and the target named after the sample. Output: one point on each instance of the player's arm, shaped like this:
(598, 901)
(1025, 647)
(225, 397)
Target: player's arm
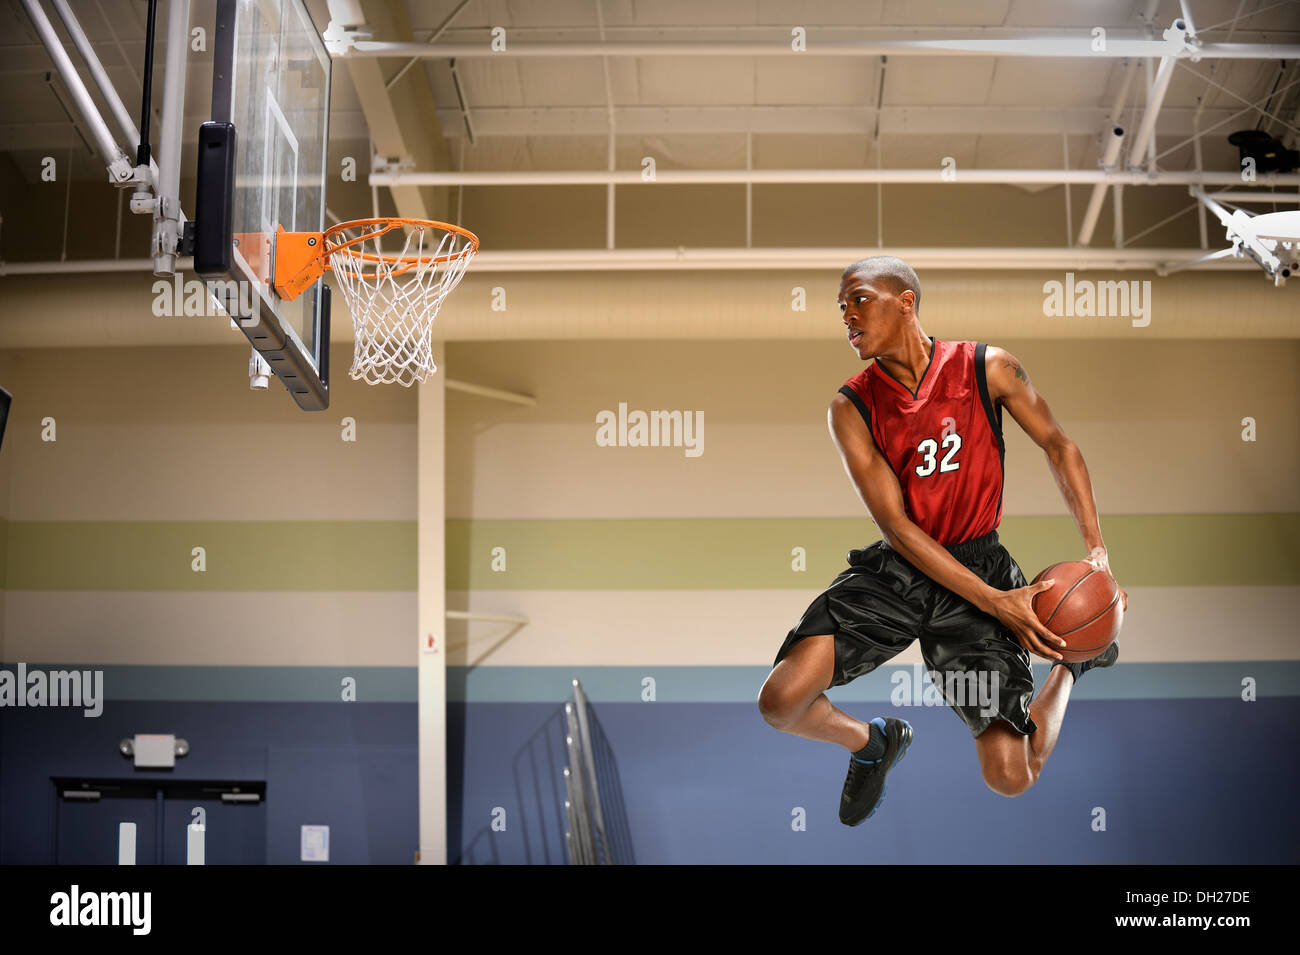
(878, 487)
(1009, 383)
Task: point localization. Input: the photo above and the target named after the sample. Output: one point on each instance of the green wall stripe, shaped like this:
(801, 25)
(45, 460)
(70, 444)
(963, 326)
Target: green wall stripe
(1171, 550)
(704, 554)
(755, 554)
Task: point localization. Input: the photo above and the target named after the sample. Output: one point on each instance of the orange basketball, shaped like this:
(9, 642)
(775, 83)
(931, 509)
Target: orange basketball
(1083, 607)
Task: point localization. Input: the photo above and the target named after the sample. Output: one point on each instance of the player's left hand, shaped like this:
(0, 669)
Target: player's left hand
(1101, 561)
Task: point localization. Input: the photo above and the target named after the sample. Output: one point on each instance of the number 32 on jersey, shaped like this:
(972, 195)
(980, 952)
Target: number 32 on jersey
(929, 451)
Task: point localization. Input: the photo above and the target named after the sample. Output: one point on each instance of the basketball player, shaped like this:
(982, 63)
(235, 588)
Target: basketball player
(920, 434)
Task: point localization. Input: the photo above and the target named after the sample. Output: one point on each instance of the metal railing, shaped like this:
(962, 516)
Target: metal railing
(585, 837)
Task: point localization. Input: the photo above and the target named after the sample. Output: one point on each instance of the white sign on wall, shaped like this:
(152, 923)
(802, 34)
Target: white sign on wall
(315, 843)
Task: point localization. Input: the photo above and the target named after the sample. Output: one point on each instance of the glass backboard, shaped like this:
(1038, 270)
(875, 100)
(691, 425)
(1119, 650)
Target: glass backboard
(271, 83)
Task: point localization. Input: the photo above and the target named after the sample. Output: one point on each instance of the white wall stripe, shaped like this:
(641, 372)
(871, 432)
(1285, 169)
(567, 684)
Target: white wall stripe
(578, 628)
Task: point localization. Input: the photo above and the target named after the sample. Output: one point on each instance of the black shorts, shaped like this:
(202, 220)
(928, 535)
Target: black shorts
(881, 603)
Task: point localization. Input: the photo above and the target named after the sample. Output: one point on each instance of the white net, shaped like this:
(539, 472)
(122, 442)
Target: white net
(395, 296)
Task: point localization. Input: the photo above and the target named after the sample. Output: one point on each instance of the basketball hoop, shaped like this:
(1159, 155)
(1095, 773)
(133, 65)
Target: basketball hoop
(393, 296)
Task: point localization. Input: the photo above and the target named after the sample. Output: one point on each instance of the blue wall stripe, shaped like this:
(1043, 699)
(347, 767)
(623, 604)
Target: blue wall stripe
(621, 684)
(1135, 681)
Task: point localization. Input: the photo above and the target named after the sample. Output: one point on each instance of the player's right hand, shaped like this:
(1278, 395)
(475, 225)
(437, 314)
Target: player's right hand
(1016, 611)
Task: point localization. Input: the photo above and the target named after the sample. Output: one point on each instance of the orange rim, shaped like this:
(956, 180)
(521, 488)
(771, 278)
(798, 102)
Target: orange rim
(387, 224)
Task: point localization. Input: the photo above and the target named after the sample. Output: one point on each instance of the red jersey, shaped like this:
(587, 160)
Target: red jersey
(944, 442)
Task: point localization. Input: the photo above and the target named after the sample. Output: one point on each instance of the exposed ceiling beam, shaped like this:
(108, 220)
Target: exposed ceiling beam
(402, 120)
(652, 260)
(650, 33)
(994, 258)
(1146, 130)
(1080, 46)
(936, 176)
(593, 121)
(818, 119)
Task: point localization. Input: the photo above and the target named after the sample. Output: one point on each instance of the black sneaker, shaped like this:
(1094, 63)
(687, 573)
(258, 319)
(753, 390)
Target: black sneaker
(864, 788)
(1104, 659)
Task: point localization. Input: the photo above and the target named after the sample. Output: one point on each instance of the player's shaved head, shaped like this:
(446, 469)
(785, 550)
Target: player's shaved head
(896, 273)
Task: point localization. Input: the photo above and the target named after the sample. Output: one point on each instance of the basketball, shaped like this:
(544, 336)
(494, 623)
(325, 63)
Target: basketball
(1083, 607)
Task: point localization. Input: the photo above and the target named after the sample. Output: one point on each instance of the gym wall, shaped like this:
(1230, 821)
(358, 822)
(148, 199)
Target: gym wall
(630, 563)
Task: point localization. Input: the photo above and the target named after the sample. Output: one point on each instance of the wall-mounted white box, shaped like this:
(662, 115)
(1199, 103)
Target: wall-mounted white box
(155, 751)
